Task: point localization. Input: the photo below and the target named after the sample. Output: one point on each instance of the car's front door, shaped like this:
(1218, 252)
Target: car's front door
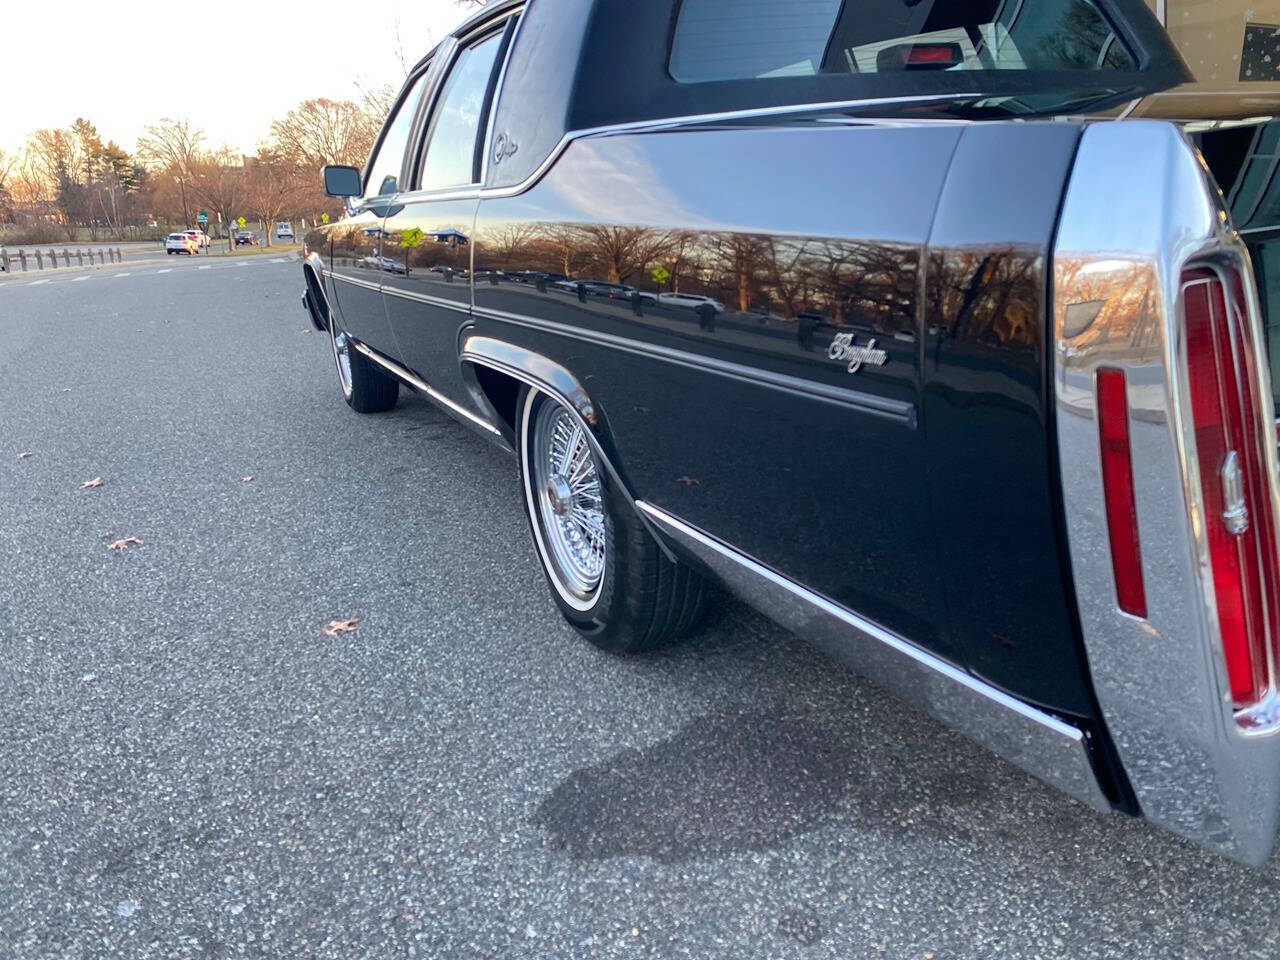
(357, 256)
(426, 279)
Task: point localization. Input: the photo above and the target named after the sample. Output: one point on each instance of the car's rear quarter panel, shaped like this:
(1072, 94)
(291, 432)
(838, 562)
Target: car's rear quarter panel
(917, 493)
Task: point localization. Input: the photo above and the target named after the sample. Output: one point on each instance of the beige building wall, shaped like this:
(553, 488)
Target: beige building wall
(1232, 48)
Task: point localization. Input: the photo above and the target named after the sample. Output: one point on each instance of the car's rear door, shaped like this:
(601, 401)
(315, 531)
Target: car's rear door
(355, 267)
(426, 279)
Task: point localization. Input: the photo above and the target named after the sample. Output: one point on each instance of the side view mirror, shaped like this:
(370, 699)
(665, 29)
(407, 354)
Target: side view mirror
(342, 181)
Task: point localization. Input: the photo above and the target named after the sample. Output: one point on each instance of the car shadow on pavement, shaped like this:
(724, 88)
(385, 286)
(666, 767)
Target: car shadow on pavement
(733, 782)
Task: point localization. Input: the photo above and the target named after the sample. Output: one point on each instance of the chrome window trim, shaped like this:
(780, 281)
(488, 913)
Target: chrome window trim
(473, 29)
(898, 410)
(470, 192)
(412, 379)
(672, 123)
(1139, 207)
(516, 11)
(1040, 743)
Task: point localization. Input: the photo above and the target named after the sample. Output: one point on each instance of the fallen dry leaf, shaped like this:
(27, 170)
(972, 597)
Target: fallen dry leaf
(25, 455)
(335, 627)
(124, 542)
(95, 482)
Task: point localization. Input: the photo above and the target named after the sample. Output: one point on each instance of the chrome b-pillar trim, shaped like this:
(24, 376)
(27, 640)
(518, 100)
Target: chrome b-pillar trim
(1043, 745)
(1140, 207)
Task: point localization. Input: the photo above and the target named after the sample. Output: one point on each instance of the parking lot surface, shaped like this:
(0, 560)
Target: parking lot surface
(191, 767)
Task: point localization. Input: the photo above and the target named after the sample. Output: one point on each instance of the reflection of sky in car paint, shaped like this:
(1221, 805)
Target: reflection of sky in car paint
(606, 187)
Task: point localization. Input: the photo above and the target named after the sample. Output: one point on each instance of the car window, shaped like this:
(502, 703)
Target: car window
(455, 124)
(757, 39)
(384, 172)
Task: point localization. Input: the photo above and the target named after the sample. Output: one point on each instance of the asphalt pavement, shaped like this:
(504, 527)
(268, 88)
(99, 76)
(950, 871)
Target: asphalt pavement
(191, 767)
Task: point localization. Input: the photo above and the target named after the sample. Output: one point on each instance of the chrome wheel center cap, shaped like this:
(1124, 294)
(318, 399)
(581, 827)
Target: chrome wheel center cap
(560, 495)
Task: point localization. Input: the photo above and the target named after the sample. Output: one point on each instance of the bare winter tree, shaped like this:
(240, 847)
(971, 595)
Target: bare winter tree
(322, 131)
(171, 145)
(272, 187)
(218, 182)
(7, 164)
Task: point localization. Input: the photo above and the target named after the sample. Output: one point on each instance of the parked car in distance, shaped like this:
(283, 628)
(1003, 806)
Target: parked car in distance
(199, 236)
(284, 231)
(245, 238)
(181, 243)
(979, 398)
(690, 301)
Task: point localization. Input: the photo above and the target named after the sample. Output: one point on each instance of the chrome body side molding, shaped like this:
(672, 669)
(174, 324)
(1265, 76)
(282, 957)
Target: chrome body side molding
(898, 410)
(426, 298)
(407, 376)
(1138, 208)
(356, 282)
(1048, 748)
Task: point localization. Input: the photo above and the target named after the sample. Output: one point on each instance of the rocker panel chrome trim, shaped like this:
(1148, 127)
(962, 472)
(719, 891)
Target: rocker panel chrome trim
(1046, 747)
(413, 380)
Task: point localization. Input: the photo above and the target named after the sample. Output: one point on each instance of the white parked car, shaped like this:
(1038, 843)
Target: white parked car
(284, 231)
(199, 236)
(181, 243)
(689, 300)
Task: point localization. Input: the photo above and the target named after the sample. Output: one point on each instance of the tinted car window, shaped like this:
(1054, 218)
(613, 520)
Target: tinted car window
(451, 144)
(745, 39)
(384, 173)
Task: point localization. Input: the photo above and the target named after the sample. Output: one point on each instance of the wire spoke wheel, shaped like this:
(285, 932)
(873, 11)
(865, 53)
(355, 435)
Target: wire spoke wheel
(565, 484)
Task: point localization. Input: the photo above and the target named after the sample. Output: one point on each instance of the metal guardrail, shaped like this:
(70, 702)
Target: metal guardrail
(23, 259)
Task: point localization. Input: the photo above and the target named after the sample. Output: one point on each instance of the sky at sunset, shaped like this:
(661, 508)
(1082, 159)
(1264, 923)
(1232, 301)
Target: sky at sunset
(230, 67)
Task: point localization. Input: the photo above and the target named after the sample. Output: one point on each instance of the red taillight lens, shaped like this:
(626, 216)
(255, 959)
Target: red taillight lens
(1234, 486)
(1117, 489)
(934, 54)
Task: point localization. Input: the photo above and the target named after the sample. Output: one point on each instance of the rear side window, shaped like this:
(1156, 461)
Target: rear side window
(451, 143)
(758, 39)
(384, 172)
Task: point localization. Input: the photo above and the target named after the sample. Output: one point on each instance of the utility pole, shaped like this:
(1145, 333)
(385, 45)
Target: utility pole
(182, 184)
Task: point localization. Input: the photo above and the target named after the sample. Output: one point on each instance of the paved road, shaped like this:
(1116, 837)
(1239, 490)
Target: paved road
(189, 767)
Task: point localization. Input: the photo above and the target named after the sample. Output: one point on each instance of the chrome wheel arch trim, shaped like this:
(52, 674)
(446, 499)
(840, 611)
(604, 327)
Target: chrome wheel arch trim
(542, 373)
(1045, 746)
(1139, 206)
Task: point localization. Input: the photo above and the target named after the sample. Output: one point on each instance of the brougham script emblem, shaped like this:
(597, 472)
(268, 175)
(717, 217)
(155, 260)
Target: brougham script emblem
(843, 348)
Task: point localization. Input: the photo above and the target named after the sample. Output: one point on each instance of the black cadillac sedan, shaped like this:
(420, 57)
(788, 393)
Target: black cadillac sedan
(936, 329)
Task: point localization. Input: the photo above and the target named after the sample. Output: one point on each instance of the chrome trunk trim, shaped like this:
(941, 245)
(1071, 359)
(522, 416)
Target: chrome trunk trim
(1138, 208)
(1046, 747)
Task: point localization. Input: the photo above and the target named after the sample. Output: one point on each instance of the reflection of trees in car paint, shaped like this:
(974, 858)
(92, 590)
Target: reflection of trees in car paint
(781, 277)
